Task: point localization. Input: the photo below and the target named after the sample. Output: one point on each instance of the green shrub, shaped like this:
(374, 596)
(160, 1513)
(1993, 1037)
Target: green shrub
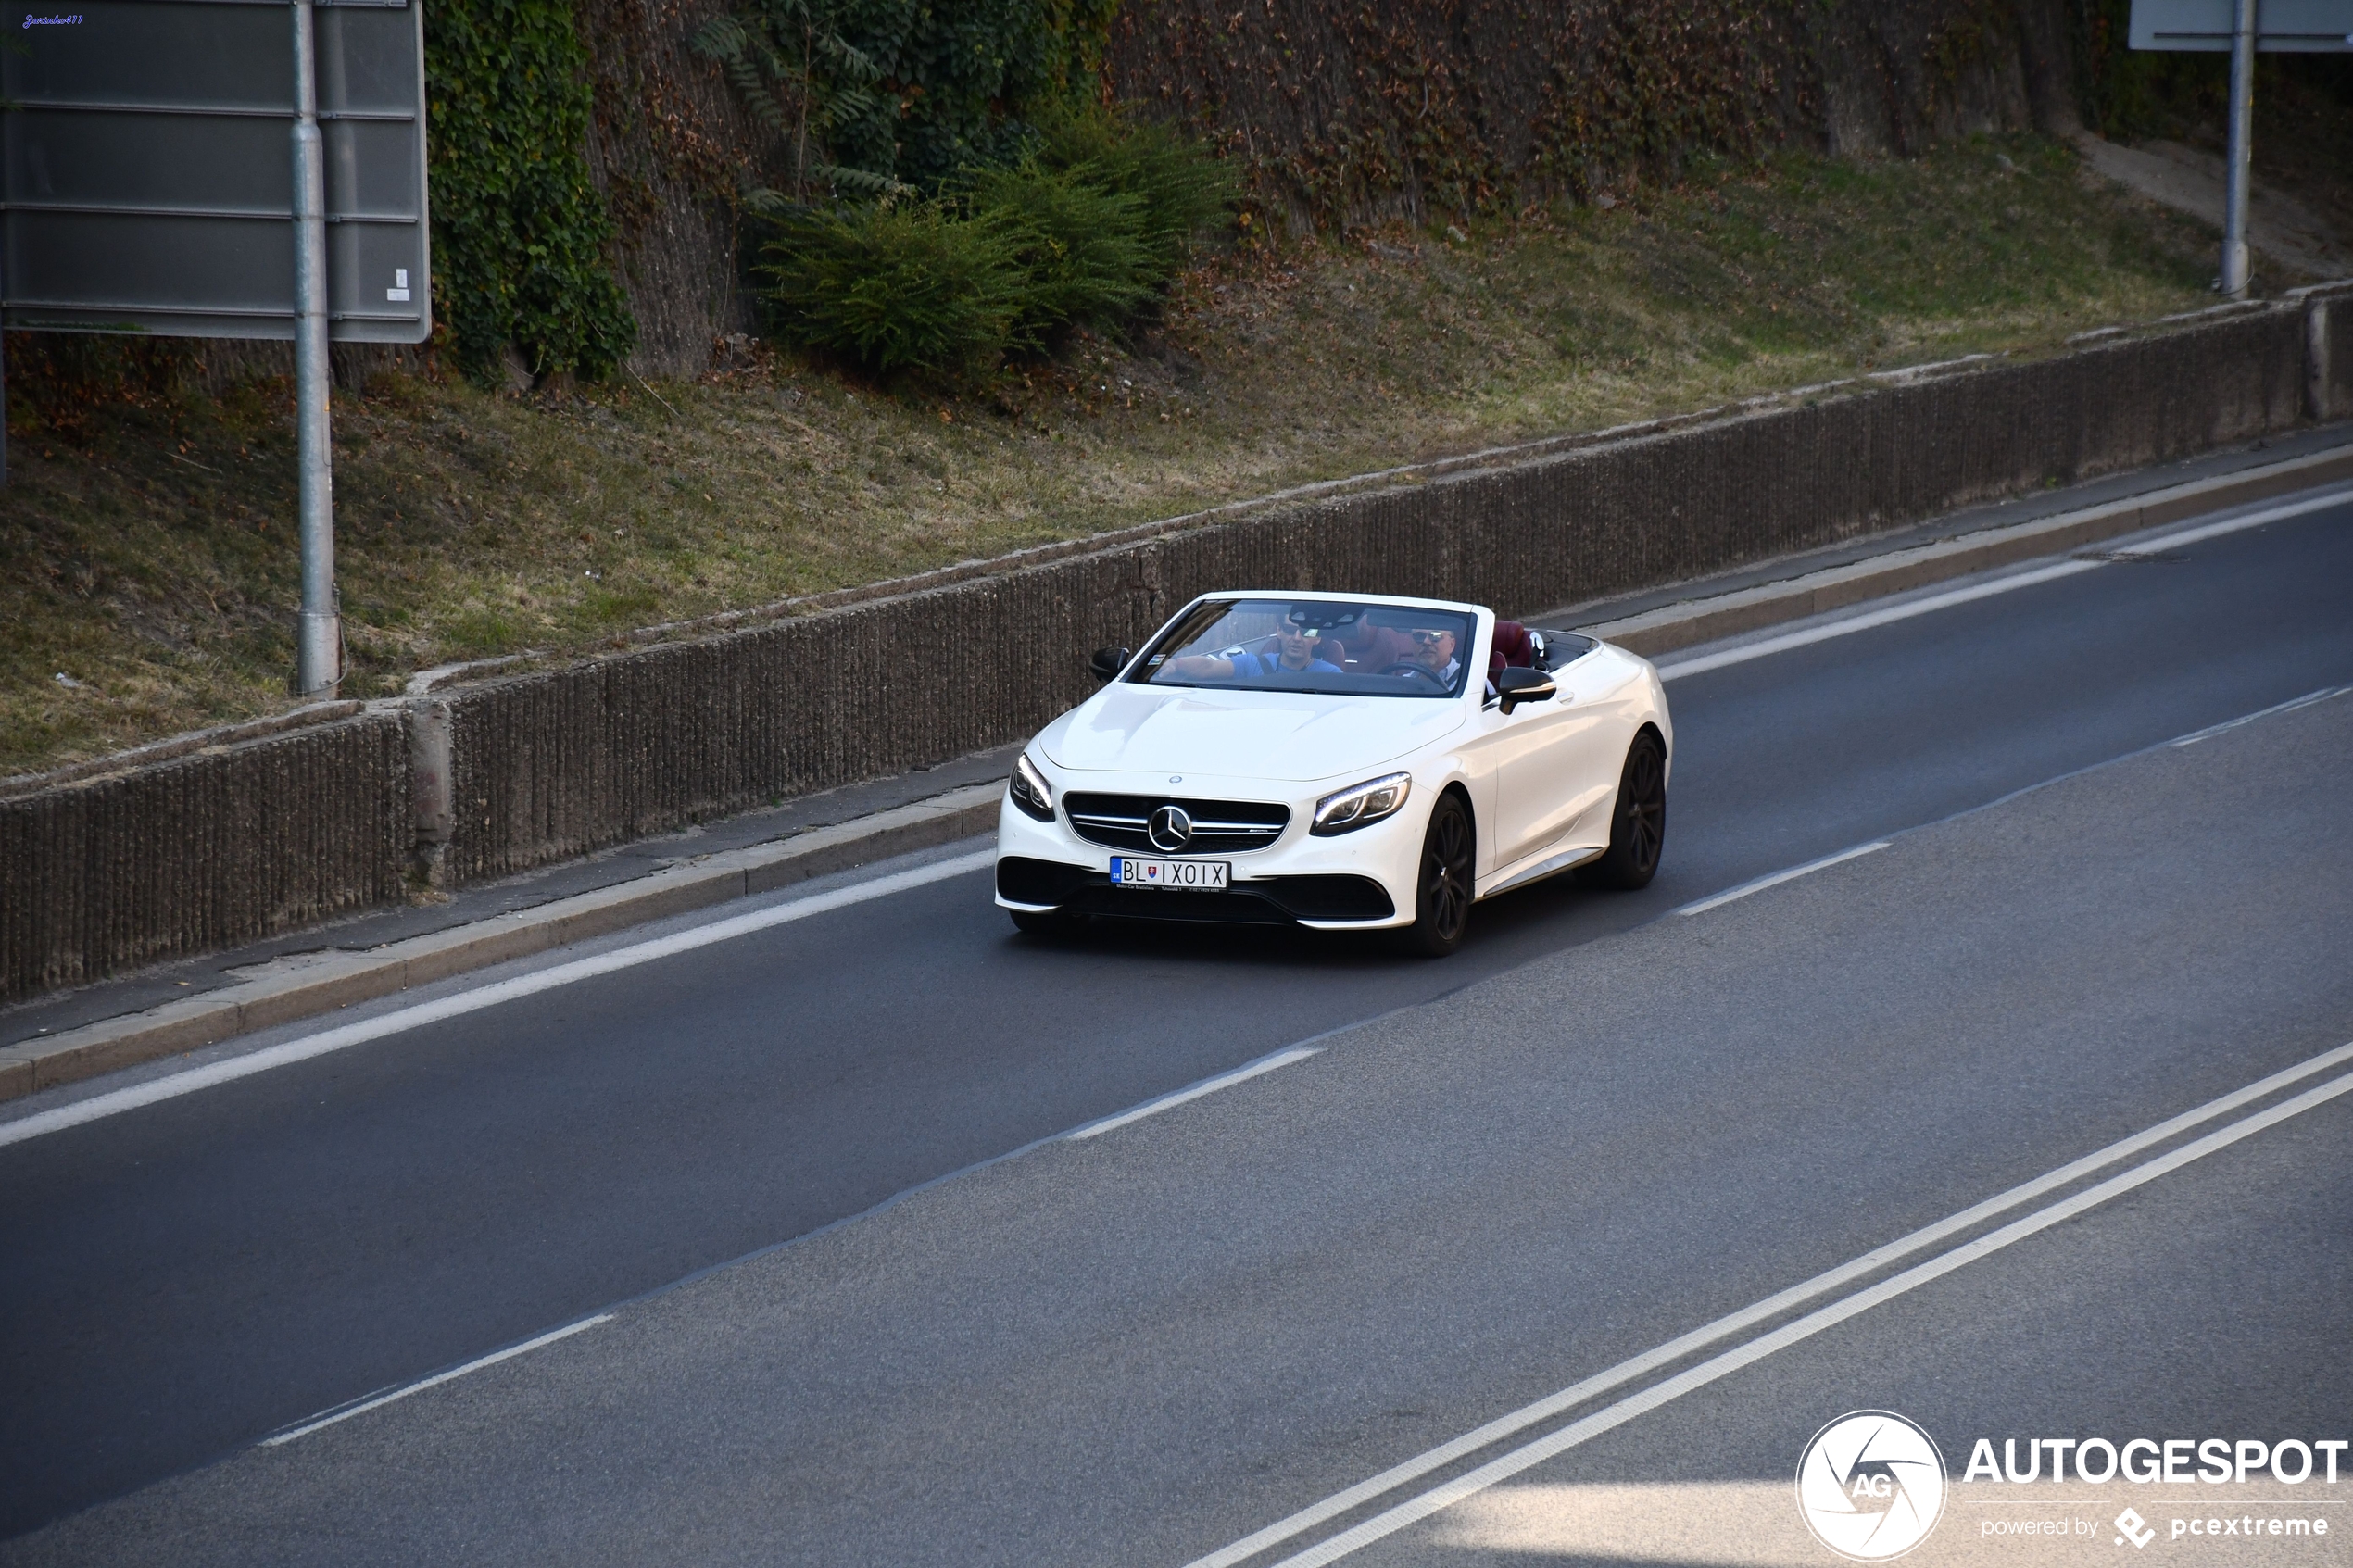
(896, 286)
(1084, 230)
(1183, 190)
(1081, 248)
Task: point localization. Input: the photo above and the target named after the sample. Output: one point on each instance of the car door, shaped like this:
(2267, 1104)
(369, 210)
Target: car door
(1559, 761)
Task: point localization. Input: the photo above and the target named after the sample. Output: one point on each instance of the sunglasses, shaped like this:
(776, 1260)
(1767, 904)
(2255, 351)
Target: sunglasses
(1429, 636)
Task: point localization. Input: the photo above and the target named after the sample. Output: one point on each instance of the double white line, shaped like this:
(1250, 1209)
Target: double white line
(1584, 1429)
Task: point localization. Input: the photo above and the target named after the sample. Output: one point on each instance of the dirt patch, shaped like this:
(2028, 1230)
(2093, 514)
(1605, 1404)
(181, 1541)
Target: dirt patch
(2191, 182)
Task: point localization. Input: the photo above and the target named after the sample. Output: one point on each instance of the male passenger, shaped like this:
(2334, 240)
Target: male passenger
(1294, 654)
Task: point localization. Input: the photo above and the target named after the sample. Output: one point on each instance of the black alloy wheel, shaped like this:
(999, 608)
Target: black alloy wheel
(1442, 901)
(1637, 823)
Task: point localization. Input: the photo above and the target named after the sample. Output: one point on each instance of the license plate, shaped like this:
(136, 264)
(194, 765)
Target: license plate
(1204, 876)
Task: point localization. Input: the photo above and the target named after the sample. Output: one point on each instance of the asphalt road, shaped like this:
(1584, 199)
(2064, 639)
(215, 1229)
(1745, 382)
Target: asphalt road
(2167, 1315)
(1591, 1130)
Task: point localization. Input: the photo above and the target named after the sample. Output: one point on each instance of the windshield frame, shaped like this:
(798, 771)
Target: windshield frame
(1195, 621)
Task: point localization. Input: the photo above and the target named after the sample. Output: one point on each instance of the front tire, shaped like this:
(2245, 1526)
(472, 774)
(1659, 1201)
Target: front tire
(1443, 880)
(1637, 822)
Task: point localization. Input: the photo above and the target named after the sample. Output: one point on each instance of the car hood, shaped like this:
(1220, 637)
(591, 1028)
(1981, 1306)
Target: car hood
(1133, 727)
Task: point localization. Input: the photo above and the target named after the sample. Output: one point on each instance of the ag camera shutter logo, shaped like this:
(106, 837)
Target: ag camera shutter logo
(1870, 1486)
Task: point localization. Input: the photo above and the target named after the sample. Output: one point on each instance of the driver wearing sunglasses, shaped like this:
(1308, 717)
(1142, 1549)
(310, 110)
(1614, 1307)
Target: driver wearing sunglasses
(1434, 651)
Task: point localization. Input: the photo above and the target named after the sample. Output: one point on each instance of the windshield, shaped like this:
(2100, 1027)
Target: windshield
(1315, 646)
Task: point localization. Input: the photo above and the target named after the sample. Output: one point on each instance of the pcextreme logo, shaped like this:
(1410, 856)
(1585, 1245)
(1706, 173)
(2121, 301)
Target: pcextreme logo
(1870, 1486)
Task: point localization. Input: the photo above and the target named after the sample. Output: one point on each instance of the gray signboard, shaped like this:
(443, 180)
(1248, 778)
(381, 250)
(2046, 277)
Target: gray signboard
(148, 183)
(2280, 26)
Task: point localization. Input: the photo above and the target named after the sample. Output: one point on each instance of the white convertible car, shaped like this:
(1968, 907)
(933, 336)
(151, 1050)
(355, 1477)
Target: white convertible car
(1337, 761)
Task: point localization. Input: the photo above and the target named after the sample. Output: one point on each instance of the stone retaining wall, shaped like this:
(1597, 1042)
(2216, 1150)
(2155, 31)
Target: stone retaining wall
(202, 852)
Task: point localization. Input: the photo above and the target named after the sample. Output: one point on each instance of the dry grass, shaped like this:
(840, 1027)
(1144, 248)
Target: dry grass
(149, 556)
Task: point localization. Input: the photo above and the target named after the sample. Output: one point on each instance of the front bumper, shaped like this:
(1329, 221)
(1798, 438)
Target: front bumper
(1350, 882)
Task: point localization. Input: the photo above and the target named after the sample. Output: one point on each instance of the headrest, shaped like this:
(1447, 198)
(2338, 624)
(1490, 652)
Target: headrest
(1513, 648)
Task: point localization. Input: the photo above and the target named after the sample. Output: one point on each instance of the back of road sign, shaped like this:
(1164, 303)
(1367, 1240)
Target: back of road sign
(2280, 26)
(146, 170)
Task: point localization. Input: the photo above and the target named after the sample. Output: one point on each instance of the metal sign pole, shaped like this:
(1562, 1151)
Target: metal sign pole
(2301, 27)
(2233, 279)
(319, 659)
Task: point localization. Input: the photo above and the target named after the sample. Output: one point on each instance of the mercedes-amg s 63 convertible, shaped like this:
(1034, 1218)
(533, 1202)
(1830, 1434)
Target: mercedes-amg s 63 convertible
(1341, 761)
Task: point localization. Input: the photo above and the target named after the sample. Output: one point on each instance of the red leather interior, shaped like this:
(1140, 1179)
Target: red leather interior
(1512, 648)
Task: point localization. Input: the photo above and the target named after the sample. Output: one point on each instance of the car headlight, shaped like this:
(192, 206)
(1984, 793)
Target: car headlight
(1360, 806)
(1030, 790)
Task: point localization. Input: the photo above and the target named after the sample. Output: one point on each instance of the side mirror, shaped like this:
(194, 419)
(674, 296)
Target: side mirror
(1517, 685)
(1107, 662)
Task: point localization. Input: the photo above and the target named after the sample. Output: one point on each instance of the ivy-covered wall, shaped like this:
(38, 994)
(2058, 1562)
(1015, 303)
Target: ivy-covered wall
(521, 229)
(1343, 110)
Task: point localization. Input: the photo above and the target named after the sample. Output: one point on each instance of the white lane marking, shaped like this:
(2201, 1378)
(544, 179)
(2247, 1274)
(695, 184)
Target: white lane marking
(1283, 1058)
(1762, 882)
(1748, 1317)
(350, 1035)
(364, 1406)
(1892, 613)
(1870, 618)
(2318, 501)
(1610, 1417)
(2307, 700)
(1248, 1070)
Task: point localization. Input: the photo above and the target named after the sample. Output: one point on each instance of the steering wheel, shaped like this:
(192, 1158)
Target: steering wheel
(1424, 671)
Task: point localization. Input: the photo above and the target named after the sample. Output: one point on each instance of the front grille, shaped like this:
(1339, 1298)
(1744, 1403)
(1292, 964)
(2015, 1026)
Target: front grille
(1220, 827)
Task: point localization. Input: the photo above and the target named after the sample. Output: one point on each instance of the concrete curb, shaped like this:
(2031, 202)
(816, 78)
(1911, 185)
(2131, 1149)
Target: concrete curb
(322, 982)
(1689, 621)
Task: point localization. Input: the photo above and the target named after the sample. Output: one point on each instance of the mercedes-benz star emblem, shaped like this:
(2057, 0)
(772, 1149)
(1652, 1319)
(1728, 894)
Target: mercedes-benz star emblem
(1170, 829)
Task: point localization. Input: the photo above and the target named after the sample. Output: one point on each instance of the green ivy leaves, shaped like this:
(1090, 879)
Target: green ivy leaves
(520, 229)
(884, 94)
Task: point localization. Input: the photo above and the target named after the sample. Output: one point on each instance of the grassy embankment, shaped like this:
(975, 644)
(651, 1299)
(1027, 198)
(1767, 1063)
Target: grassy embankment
(146, 548)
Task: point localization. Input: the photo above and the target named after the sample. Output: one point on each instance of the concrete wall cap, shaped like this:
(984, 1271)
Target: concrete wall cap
(220, 738)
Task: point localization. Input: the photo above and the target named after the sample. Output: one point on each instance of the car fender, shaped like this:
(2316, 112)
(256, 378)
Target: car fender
(1445, 772)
